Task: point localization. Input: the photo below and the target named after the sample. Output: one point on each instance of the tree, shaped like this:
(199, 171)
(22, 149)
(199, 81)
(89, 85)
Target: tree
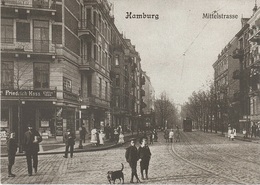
(165, 111)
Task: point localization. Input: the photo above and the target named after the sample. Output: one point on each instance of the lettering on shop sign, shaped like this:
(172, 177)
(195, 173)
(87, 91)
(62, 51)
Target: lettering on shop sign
(70, 96)
(28, 93)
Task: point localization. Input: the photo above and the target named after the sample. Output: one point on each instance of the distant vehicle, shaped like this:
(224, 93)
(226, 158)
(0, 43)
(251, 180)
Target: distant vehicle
(187, 125)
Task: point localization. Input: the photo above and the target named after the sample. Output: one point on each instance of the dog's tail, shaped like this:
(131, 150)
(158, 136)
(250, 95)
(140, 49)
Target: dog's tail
(122, 167)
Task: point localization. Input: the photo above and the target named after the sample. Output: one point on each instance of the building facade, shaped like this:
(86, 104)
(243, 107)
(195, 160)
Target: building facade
(65, 65)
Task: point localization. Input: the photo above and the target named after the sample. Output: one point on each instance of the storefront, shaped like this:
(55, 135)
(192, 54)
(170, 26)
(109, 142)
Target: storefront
(36, 107)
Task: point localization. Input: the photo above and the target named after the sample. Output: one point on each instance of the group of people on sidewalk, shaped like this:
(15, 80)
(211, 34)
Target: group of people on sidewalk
(98, 136)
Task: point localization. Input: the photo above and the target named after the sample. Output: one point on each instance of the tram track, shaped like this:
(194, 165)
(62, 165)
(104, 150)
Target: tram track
(210, 172)
(202, 141)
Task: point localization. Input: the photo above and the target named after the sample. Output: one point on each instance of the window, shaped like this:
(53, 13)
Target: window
(100, 55)
(100, 87)
(7, 30)
(41, 75)
(22, 32)
(106, 91)
(41, 36)
(67, 85)
(117, 60)
(7, 75)
(117, 80)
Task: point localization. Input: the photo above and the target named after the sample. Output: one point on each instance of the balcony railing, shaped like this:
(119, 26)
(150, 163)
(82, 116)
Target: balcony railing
(27, 45)
(29, 3)
(238, 53)
(95, 101)
(86, 26)
(236, 74)
(87, 63)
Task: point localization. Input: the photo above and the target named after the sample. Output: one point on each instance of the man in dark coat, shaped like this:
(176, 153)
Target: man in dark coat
(131, 156)
(83, 133)
(69, 142)
(11, 150)
(145, 154)
(32, 139)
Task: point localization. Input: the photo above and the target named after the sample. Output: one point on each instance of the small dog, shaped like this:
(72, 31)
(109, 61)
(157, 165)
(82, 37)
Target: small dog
(113, 175)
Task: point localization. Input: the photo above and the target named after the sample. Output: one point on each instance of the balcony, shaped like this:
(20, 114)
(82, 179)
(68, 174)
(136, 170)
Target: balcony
(236, 75)
(30, 4)
(236, 96)
(28, 46)
(255, 36)
(238, 53)
(87, 64)
(86, 29)
(142, 92)
(142, 80)
(118, 47)
(96, 102)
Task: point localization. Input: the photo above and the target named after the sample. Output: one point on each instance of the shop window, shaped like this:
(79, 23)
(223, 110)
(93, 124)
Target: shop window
(4, 118)
(7, 31)
(41, 75)
(46, 119)
(67, 84)
(22, 32)
(7, 75)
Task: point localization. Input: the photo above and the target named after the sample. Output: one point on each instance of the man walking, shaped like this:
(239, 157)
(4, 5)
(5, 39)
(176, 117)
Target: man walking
(131, 156)
(11, 150)
(32, 139)
(69, 142)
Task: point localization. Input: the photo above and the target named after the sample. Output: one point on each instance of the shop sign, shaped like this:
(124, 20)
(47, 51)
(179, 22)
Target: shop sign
(45, 123)
(29, 93)
(3, 135)
(70, 96)
(4, 123)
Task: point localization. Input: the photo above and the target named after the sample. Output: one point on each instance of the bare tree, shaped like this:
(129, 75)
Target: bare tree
(165, 111)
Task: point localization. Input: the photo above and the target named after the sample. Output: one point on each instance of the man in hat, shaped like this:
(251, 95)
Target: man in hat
(69, 142)
(132, 157)
(32, 139)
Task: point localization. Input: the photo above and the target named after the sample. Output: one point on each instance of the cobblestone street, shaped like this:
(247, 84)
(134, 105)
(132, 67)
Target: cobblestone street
(203, 158)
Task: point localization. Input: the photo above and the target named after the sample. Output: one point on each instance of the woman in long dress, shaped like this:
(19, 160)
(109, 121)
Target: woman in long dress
(121, 138)
(101, 137)
(93, 136)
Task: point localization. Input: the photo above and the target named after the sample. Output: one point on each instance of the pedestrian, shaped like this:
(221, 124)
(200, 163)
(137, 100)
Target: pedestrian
(101, 138)
(112, 134)
(97, 136)
(11, 151)
(116, 135)
(69, 142)
(32, 139)
(166, 135)
(121, 139)
(155, 135)
(229, 133)
(132, 157)
(244, 133)
(151, 138)
(232, 136)
(177, 135)
(144, 154)
(93, 139)
(83, 133)
(171, 134)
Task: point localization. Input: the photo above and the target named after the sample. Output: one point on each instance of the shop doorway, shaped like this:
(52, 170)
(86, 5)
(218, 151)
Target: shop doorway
(28, 114)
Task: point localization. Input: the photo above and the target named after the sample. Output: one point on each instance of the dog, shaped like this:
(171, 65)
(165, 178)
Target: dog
(113, 175)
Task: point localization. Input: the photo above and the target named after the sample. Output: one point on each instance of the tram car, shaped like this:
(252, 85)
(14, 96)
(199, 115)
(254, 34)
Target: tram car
(187, 125)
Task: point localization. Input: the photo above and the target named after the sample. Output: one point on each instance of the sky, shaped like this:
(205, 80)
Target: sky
(178, 50)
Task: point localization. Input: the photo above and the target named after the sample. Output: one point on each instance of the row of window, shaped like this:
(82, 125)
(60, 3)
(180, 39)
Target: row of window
(41, 74)
(40, 31)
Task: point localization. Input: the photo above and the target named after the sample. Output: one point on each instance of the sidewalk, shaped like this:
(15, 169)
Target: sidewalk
(240, 136)
(59, 147)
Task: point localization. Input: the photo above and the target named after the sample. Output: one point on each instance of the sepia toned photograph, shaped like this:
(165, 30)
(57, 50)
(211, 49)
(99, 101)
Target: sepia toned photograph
(130, 92)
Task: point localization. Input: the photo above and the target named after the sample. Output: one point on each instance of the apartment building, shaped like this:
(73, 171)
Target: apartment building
(56, 59)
